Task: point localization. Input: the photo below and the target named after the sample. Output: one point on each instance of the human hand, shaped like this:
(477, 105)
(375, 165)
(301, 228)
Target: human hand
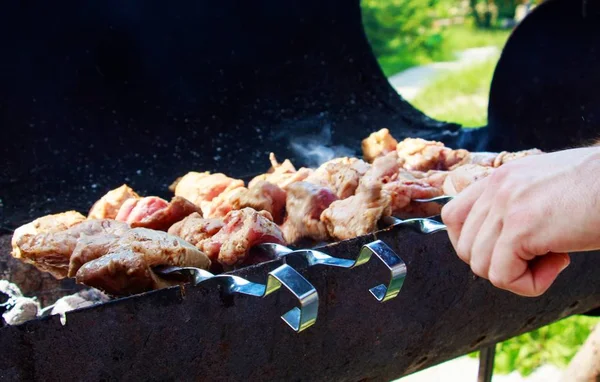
(516, 227)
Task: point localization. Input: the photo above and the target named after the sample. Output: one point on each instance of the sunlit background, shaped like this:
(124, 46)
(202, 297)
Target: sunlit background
(440, 55)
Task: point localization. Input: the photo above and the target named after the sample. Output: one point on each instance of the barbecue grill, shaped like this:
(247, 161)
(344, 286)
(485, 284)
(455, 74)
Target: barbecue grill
(94, 94)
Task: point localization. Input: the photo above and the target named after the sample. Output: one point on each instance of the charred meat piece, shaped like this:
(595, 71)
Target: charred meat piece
(460, 178)
(46, 224)
(378, 144)
(262, 196)
(282, 174)
(51, 251)
(419, 154)
(204, 187)
(155, 213)
(243, 229)
(127, 267)
(357, 215)
(341, 175)
(305, 203)
(108, 206)
(195, 229)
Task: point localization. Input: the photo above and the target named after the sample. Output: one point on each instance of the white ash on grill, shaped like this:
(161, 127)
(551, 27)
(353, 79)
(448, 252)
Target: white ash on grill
(17, 308)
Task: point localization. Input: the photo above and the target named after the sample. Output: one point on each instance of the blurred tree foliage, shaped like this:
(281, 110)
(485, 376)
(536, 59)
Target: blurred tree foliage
(402, 26)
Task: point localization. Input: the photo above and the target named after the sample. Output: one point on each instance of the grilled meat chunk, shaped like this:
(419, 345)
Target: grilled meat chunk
(46, 224)
(262, 196)
(341, 175)
(378, 144)
(282, 174)
(403, 192)
(494, 159)
(419, 154)
(89, 248)
(357, 215)
(108, 206)
(51, 251)
(243, 229)
(384, 169)
(127, 267)
(463, 176)
(155, 213)
(220, 206)
(305, 203)
(204, 187)
(195, 229)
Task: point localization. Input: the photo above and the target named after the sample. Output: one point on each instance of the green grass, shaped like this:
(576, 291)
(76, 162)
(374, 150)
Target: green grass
(455, 39)
(451, 98)
(459, 96)
(555, 344)
(458, 38)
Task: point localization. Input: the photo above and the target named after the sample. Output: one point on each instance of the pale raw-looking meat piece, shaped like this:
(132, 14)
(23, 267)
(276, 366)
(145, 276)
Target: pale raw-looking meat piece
(108, 206)
(243, 229)
(45, 224)
(403, 192)
(384, 169)
(127, 267)
(51, 251)
(282, 174)
(357, 215)
(478, 158)
(194, 229)
(419, 154)
(155, 213)
(305, 203)
(261, 196)
(220, 206)
(378, 144)
(505, 156)
(341, 175)
(203, 187)
(494, 159)
(462, 177)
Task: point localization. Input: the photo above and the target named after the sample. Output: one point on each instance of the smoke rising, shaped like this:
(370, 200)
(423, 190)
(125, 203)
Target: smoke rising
(316, 149)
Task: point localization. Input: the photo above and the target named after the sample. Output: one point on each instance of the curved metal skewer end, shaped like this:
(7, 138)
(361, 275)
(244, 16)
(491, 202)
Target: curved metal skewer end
(421, 225)
(393, 262)
(305, 316)
(275, 250)
(196, 274)
(441, 200)
(314, 257)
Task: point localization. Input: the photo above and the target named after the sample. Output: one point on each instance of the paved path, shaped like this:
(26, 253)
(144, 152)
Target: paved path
(465, 369)
(411, 81)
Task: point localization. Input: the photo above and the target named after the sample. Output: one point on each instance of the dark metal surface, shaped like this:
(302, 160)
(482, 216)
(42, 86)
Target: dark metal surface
(94, 94)
(544, 91)
(441, 312)
(486, 363)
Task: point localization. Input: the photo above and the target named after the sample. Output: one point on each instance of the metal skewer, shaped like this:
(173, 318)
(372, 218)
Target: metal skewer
(382, 251)
(298, 318)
